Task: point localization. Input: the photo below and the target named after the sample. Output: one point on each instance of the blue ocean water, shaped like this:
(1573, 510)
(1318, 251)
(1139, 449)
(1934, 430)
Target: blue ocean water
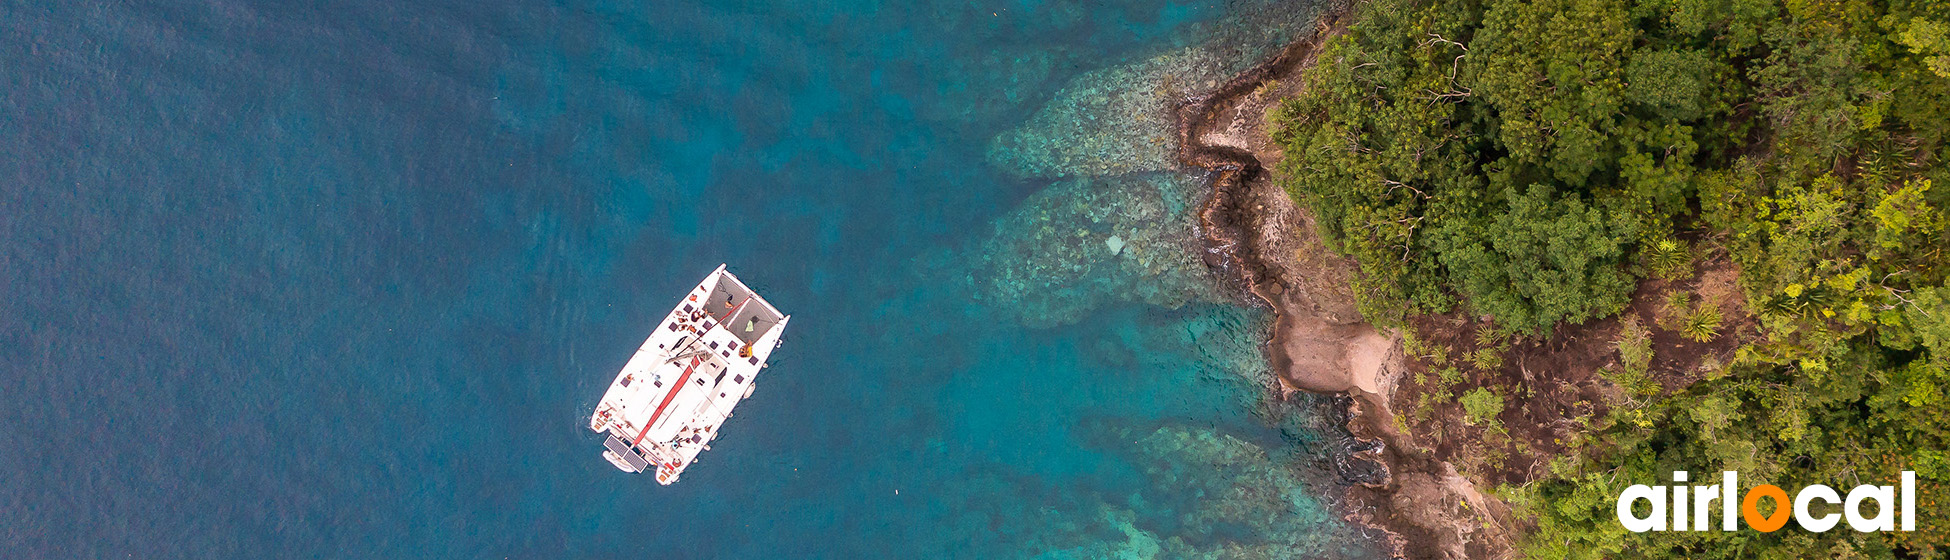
(308, 279)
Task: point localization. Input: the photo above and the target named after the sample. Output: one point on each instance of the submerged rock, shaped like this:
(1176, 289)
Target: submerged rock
(1046, 263)
(1108, 137)
(1252, 507)
(1245, 490)
(1108, 122)
(1119, 120)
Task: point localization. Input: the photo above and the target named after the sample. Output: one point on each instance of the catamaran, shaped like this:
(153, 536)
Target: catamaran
(674, 395)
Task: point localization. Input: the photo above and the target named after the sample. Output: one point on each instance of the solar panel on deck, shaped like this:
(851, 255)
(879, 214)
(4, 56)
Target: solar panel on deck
(629, 456)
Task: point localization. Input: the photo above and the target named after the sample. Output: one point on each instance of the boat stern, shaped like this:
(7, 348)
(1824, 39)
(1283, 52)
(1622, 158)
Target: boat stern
(666, 475)
(620, 454)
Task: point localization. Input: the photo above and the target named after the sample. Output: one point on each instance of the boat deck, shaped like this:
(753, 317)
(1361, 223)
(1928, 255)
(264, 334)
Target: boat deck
(671, 399)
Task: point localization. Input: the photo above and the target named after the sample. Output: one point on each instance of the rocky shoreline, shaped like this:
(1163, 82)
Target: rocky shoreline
(1161, 188)
(1254, 234)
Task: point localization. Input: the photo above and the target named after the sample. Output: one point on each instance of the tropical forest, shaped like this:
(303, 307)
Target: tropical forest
(1731, 212)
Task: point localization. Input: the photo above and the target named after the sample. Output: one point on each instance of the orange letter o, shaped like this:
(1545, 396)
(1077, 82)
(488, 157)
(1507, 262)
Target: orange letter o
(1750, 511)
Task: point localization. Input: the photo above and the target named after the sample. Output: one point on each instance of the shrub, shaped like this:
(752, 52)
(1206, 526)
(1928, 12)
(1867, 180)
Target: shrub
(1673, 311)
(1634, 346)
(1669, 259)
(1703, 324)
(1486, 359)
(1481, 406)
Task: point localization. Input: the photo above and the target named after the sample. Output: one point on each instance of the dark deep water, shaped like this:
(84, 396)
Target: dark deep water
(299, 279)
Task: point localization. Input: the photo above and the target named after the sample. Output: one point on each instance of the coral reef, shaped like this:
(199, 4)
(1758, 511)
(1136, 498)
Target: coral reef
(1119, 120)
(1115, 223)
(1252, 506)
(1108, 122)
(1079, 243)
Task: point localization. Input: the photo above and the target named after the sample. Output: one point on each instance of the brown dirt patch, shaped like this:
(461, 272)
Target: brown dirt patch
(1552, 386)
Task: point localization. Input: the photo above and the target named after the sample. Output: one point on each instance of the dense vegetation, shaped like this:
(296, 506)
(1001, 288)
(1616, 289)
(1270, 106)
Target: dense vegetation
(1533, 161)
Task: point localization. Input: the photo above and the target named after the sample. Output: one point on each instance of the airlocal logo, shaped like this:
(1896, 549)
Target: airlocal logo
(1702, 499)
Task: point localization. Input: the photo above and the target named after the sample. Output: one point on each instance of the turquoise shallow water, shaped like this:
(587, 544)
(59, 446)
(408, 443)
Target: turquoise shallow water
(344, 280)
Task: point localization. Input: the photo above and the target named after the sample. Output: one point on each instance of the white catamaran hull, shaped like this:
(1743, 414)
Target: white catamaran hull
(674, 395)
